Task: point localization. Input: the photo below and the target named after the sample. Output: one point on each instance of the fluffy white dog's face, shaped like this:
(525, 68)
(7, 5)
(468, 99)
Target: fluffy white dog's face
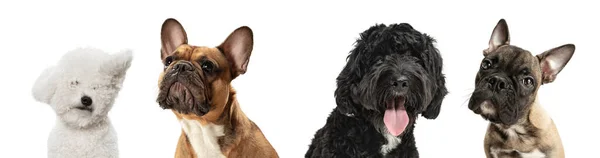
(82, 100)
(82, 87)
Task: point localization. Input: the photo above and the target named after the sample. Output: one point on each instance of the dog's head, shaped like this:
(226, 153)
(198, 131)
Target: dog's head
(393, 74)
(196, 79)
(509, 77)
(82, 87)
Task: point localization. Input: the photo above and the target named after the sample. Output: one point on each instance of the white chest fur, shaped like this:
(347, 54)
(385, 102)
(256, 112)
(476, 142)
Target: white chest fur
(392, 142)
(514, 130)
(536, 153)
(98, 141)
(203, 138)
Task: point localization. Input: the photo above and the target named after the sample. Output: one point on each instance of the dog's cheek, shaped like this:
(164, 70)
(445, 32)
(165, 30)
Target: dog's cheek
(220, 92)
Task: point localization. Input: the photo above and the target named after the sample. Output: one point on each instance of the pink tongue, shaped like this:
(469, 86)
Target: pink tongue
(395, 120)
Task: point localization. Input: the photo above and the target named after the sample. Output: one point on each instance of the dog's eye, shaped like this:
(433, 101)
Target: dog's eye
(486, 64)
(168, 61)
(207, 66)
(74, 83)
(527, 81)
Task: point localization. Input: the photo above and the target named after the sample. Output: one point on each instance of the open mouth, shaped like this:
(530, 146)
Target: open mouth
(84, 108)
(395, 117)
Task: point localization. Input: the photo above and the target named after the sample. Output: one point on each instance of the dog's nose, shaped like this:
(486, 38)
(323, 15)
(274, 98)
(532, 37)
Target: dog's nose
(497, 83)
(183, 66)
(85, 100)
(401, 83)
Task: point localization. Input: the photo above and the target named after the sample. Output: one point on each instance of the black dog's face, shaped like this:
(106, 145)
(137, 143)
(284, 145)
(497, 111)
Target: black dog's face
(505, 85)
(392, 75)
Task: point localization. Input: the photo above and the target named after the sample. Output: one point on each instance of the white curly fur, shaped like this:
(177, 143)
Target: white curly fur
(83, 72)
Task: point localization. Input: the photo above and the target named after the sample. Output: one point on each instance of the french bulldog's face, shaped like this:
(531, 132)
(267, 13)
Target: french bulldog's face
(196, 79)
(509, 77)
(506, 85)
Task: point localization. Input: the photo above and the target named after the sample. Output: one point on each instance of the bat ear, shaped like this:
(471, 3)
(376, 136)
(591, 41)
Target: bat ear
(554, 60)
(237, 48)
(45, 86)
(172, 35)
(500, 36)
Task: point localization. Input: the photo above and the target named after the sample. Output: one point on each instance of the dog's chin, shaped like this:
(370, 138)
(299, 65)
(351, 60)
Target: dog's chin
(76, 117)
(395, 117)
(180, 98)
(177, 94)
(487, 110)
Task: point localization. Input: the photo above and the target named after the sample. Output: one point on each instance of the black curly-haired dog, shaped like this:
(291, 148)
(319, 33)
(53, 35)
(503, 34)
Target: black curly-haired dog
(393, 74)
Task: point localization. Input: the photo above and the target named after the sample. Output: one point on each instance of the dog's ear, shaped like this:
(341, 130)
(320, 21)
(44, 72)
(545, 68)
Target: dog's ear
(346, 86)
(500, 36)
(237, 48)
(172, 35)
(116, 66)
(435, 64)
(45, 86)
(343, 98)
(554, 60)
(433, 109)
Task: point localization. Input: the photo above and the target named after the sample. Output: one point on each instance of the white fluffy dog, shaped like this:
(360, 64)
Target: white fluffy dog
(81, 89)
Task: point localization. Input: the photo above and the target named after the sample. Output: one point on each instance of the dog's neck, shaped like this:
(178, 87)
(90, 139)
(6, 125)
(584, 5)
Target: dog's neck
(535, 117)
(101, 123)
(216, 139)
(528, 135)
(527, 128)
(392, 143)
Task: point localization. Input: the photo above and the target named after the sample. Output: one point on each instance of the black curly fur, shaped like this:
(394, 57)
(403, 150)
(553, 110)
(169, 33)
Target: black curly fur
(355, 128)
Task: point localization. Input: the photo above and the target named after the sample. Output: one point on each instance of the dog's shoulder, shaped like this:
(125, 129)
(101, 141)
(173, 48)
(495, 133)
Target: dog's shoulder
(345, 135)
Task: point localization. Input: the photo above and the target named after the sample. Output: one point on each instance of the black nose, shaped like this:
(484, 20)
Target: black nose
(497, 83)
(400, 83)
(183, 66)
(85, 100)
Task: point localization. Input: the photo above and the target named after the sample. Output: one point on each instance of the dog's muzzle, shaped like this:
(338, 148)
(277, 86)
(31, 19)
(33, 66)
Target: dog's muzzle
(183, 90)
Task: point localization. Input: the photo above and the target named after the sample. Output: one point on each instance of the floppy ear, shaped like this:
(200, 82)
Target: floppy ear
(500, 36)
(45, 86)
(117, 65)
(172, 35)
(554, 60)
(343, 98)
(237, 48)
(435, 63)
(433, 109)
(346, 87)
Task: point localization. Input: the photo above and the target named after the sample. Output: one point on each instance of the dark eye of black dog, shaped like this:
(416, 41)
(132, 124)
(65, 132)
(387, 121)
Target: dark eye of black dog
(207, 66)
(168, 61)
(486, 64)
(527, 81)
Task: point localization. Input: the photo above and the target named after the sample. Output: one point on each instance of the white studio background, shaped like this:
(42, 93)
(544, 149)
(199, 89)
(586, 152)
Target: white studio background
(300, 48)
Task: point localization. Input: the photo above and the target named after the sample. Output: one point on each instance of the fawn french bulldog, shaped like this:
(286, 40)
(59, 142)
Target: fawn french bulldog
(196, 86)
